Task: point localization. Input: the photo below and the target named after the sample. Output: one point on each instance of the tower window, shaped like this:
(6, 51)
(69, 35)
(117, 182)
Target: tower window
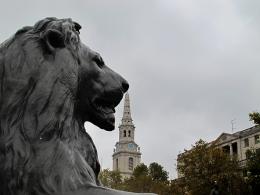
(124, 133)
(129, 133)
(130, 163)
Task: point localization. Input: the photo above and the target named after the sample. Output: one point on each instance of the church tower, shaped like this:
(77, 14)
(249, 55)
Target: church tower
(126, 154)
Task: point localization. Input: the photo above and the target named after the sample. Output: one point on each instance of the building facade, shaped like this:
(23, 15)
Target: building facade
(127, 153)
(236, 144)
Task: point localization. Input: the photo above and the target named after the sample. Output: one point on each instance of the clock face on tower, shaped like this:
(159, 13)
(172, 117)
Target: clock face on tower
(130, 146)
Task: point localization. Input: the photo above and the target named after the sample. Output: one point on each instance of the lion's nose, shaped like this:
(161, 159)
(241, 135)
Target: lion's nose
(125, 85)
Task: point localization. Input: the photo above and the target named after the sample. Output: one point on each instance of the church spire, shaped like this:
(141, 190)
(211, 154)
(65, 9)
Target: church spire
(127, 153)
(127, 119)
(126, 128)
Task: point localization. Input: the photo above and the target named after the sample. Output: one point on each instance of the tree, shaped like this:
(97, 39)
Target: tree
(177, 187)
(153, 179)
(140, 181)
(111, 179)
(253, 170)
(253, 159)
(255, 117)
(206, 164)
(140, 170)
(157, 172)
(104, 177)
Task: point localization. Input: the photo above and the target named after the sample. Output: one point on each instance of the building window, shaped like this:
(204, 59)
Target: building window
(247, 155)
(129, 133)
(246, 142)
(257, 139)
(117, 164)
(234, 148)
(131, 163)
(226, 149)
(125, 133)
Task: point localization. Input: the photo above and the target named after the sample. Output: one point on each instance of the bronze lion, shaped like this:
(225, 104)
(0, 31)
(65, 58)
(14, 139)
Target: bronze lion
(50, 84)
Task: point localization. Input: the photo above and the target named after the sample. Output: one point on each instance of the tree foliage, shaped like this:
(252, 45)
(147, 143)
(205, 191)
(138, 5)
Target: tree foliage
(140, 170)
(255, 117)
(253, 171)
(206, 164)
(157, 172)
(111, 179)
(153, 179)
(144, 179)
(202, 167)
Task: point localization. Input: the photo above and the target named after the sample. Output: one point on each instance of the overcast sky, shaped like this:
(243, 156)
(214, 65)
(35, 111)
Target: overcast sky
(193, 65)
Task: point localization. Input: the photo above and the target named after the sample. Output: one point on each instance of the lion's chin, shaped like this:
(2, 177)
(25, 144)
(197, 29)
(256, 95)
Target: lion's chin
(103, 113)
(104, 121)
(109, 123)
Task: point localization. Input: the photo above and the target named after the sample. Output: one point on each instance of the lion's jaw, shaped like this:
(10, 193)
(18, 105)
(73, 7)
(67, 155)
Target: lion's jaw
(103, 112)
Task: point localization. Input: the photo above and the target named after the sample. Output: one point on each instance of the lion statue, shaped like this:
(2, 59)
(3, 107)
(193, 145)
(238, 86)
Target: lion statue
(50, 84)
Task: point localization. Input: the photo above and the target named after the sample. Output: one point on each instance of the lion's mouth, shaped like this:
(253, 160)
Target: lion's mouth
(104, 108)
(103, 105)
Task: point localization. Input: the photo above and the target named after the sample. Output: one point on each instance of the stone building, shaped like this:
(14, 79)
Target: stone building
(236, 144)
(126, 154)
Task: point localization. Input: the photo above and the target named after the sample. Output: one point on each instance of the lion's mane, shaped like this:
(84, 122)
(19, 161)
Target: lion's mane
(43, 145)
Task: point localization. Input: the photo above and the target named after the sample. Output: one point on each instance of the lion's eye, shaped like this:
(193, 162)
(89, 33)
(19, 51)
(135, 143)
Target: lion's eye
(77, 27)
(75, 30)
(99, 61)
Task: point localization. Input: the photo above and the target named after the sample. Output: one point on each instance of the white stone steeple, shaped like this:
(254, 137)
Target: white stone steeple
(126, 128)
(126, 153)
(127, 119)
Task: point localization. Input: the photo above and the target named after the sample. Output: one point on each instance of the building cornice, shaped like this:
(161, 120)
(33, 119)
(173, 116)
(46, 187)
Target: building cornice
(127, 152)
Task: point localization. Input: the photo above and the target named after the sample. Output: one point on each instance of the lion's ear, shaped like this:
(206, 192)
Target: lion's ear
(53, 39)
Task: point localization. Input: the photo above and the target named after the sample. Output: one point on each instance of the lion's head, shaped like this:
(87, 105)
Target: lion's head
(45, 69)
(50, 84)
